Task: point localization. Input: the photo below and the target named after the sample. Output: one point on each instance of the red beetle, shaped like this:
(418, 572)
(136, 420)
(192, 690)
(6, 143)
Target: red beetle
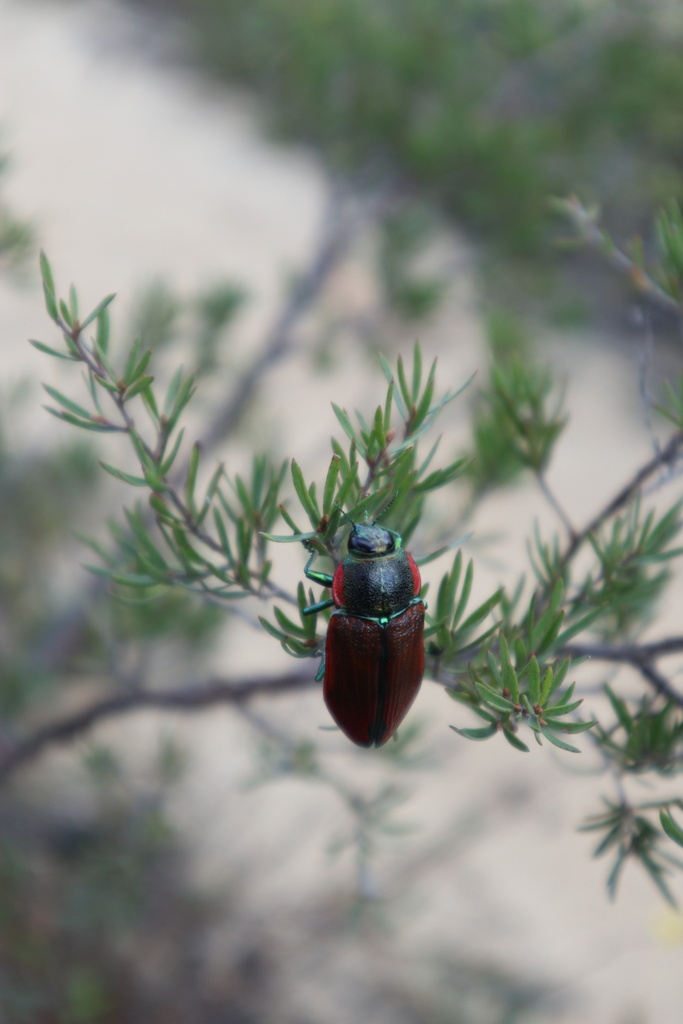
(374, 651)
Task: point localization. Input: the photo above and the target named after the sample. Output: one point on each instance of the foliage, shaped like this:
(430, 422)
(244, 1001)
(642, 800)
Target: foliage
(492, 120)
(88, 897)
(17, 235)
(480, 107)
(507, 659)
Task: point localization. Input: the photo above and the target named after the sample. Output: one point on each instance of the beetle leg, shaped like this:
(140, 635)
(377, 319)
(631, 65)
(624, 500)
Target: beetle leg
(313, 608)
(323, 578)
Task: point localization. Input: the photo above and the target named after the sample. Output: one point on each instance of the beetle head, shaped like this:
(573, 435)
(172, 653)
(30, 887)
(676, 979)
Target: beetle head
(372, 541)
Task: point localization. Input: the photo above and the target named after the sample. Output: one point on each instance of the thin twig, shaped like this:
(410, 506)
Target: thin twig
(64, 635)
(339, 233)
(660, 683)
(626, 652)
(644, 363)
(552, 500)
(666, 457)
(639, 656)
(186, 698)
(589, 232)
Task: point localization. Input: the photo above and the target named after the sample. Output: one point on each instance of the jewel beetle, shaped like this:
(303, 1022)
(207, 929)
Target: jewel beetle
(374, 649)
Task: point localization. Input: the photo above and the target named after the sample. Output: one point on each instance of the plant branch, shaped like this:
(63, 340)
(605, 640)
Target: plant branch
(338, 235)
(186, 698)
(665, 457)
(584, 221)
(640, 656)
(552, 500)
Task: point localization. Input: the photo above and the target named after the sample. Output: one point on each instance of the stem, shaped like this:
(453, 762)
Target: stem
(665, 457)
(337, 238)
(590, 233)
(186, 698)
(555, 505)
(640, 656)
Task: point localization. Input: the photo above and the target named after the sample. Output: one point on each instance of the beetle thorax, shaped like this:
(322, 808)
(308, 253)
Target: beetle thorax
(377, 587)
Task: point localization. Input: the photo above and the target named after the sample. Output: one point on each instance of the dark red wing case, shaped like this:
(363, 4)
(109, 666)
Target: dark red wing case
(373, 673)
(405, 666)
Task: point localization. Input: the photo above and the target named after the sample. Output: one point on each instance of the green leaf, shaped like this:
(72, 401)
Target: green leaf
(578, 627)
(134, 579)
(304, 495)
(534, 681)
(417, 372)
(270, 628)
(290, 627)
(495, 699)
(546, 686)
(509, 676)
(138, 580)
(568, 727)
(464, 593)
(151, 406)
(214, 482)
(403, 385)
(223, 536)
(134, 481)
(73, 407)
(289, 538)
(131, 375)
(191, 480)
(84, 424)
(515, 741)
(620, 709)
(98, 310)
(562, 707)
(162, 510)
(53, 351)
(330, 484)
(557, 742)
(483, 733)
(46, 272)
(166, 465)
(48, 288)
(672, 829)
(141, 384)
(102, 334)
(345, 422)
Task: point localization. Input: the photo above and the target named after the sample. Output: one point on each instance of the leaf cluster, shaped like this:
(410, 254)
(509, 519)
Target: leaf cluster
(404, 234)
(519, 679)
(426, 90)
(506, 660)
(17, 235)
(207, 538)
(516, 420)
(629, 834)
(650, 738)
(630, 570)
(668, 271)
(379, 472)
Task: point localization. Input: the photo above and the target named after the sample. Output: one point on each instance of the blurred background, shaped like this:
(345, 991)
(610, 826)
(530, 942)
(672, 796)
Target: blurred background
(199, 158)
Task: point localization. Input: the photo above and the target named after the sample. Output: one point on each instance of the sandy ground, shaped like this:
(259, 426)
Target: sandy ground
(132, 171)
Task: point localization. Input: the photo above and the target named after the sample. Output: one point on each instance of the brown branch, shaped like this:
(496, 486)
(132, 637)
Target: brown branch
(186, 698)
(639, 656)
(627, 652)
(592, 235)
(340, 232)
(660, 683)
(665, 457)
(63, 635)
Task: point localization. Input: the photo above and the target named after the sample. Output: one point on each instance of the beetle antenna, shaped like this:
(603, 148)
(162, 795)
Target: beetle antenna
(346, 515)
(386, 508)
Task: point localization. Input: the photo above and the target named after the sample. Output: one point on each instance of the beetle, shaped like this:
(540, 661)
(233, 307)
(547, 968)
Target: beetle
(374, 649)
